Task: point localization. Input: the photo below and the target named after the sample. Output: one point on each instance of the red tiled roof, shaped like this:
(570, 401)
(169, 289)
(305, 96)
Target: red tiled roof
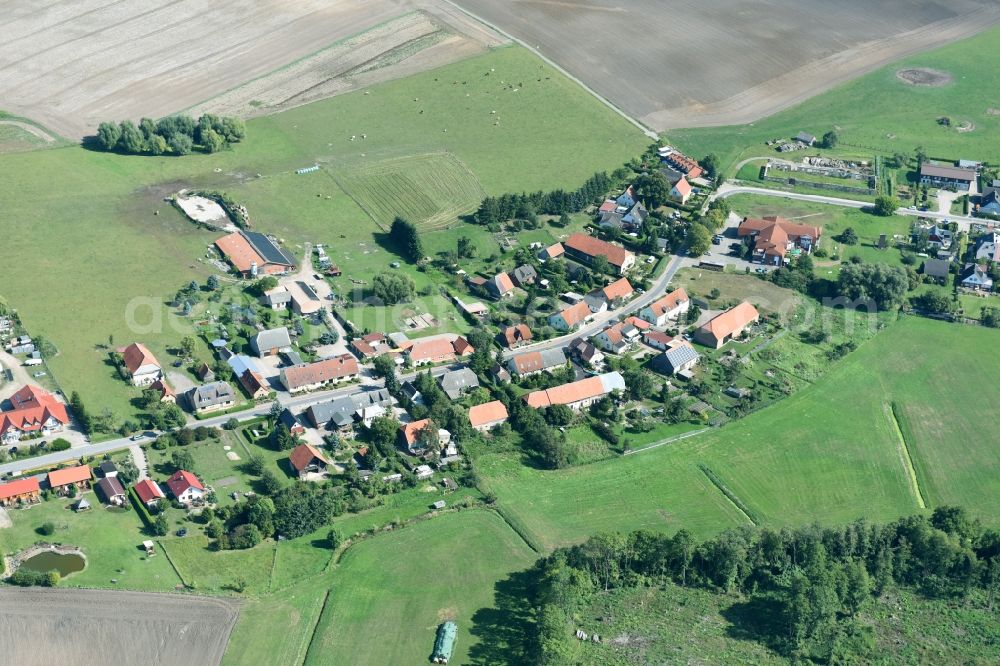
(462, 346)
(64, 477)
(253, 382)
(685, 164)
(33, 407)
(490, 412)
(19, 487)
(163, 388)
(618, 289)
(329, 369)
(683, 187)
(731, 320)
(668, 302)
(640, 324)
(566, 393)
(515, 334)
(181, 481)
(657, 336)
(554, 250)
(303, 454)
(137, 355)
(148, 491)
(608, 206)
(503, 282)
(412, 430)
(574, 314)
(593, 247)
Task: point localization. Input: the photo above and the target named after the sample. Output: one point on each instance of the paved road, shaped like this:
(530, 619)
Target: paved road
(728, 190)
(598, 322)
(100, 448)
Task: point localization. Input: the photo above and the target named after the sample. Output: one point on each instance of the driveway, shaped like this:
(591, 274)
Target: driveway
(21, 376)
(323, 290)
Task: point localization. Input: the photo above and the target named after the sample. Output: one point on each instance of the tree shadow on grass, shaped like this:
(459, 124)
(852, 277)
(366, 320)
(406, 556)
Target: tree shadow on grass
(757, 620)
(506, 632)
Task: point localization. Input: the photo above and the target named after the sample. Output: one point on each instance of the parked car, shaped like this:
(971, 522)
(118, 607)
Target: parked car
(40, 373)
(181, 532)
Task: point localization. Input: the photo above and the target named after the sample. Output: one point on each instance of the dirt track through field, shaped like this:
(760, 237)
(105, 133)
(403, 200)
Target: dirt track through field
(94, 627)
(692, 63)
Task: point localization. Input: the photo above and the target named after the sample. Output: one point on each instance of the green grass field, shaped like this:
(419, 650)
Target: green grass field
(388, 595)
(95, 251)
(429, 190)
(828, 453)
(895, 116)
(111, 540)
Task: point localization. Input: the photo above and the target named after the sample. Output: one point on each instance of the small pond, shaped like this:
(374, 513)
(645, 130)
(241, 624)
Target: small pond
(64, 563)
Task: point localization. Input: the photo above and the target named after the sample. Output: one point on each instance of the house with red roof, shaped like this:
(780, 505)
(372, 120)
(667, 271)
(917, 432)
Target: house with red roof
(585, 248)
(35, 412)
(306, 459)
(148, 492)
(579, 394)
(21, 491)
(500, 286)
(140, 364)
(571, 317)
(681, 190)
(413, 437)
(671, 306)
(313, 376)
(553, 251)
(438, 350)
(167, 393)
(609, 297)
(60, 480)
(515, 336)
(773, 237)
(726, 326)
(252, 254)
(487, 416)
(185, 487)
(617, 338)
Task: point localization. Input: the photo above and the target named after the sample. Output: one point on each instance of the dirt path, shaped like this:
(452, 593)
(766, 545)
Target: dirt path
(31, 129)
(139, 458)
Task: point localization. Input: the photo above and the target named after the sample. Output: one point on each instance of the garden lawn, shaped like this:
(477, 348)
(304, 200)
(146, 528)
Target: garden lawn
(213, 571)
(894, 117)
(389, 594)
(100, 235)
(111, 540)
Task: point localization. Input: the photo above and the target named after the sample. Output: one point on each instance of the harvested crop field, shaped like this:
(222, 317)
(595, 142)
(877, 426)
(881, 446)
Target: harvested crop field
(39, 626)
(70, 65)
(694, 63)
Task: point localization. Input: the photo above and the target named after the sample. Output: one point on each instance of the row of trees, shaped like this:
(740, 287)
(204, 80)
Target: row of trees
(815, 579)
(177, 135)
(495, 210)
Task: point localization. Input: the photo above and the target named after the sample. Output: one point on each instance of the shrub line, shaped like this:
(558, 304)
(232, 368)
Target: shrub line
(730, 495)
